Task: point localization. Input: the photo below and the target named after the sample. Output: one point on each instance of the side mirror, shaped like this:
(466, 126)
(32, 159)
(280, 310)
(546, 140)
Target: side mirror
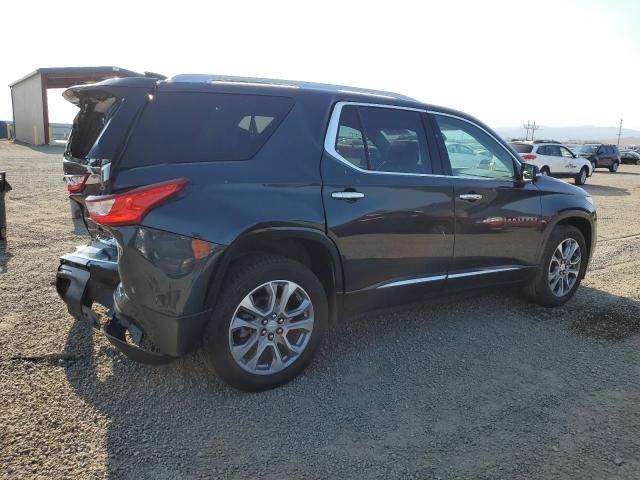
(529, 172)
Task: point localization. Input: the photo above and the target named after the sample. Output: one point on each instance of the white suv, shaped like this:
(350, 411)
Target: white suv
(555, 159)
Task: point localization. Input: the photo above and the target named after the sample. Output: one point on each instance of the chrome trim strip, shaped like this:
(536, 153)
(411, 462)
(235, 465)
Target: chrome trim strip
(434, 278)
(482, 272)
(332, 134)
(411, 281)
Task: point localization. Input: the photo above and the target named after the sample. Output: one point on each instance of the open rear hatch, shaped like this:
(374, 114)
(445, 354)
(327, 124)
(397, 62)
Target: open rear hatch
(107, 112)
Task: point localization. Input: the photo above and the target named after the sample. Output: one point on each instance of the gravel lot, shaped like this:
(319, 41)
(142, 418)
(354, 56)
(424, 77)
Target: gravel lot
(486, 386)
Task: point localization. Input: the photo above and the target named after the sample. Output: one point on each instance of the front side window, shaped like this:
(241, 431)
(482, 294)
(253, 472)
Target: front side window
(488, 158)
(566, 153)
(383, 139)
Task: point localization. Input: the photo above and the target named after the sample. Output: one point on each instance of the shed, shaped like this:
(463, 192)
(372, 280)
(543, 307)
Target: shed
(29, 96)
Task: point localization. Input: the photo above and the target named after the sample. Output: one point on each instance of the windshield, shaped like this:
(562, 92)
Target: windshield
(586, 148)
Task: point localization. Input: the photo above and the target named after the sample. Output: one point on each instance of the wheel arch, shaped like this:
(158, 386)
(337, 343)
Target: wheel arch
(576, 218)
(309, 246)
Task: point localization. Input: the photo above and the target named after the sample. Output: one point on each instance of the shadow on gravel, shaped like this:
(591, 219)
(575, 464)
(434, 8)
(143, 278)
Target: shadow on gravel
(392, 394)
(5, 256)
(605, 190)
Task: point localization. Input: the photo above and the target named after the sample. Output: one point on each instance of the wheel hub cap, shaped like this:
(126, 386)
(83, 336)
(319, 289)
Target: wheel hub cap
(564, 267)
(271, 327)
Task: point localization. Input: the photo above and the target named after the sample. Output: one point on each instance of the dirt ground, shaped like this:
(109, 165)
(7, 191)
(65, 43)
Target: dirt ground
(487, 386)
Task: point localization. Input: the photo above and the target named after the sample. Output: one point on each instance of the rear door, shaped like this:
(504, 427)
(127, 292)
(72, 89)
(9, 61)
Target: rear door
(556, 161)
(498, 221)
(388, 209)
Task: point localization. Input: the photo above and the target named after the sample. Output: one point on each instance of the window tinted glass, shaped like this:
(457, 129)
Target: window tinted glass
(522, 147)
(489, 158)
(349, 142)
(542, 150)
(202, 127)
(395, 140)
(554, 150)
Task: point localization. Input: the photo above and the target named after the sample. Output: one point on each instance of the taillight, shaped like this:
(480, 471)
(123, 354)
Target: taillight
(75, 183)
(528, 157)
(129, 208)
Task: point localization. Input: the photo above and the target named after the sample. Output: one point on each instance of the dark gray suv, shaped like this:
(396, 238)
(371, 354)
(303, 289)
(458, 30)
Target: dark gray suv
(248, 216)
(600, 155)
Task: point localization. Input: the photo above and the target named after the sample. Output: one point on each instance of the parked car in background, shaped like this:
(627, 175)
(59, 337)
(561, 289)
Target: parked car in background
(630, 156)
(250, 215)
(600, 155)
(555, 159)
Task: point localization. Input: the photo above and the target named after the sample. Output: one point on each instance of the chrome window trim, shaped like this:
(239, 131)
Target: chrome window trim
(434, 278)
(332, 135)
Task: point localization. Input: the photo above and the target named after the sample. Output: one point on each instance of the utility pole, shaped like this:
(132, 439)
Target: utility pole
(526, 127)
(533, 130)
(619, 132)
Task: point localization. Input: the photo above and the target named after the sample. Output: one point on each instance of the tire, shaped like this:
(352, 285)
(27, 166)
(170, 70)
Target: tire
(637, 162)
(581, 178)
(594, 165)
(545, 171)
(614, 168)
(539, 289)
(261, 277)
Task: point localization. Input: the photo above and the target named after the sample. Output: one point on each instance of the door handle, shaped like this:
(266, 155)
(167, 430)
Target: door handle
(471, 197)
(347, 195)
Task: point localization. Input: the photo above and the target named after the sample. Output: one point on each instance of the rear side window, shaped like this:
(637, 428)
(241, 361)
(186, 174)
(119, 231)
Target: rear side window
(204, 127)
(522, 147)
(383, 139)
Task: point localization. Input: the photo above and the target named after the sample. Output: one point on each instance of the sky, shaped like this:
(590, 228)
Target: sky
(560, 63)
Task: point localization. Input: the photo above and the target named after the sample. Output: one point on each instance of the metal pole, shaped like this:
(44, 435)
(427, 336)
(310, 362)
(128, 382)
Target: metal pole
(619, 132)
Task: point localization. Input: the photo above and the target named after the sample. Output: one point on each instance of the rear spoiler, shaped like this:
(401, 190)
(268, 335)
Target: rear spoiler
(108, 88)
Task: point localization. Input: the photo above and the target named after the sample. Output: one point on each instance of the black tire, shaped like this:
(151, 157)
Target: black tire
(545, 171)
(538, 289)
(248, 274)
(614, 167)
(581, 177)
(594, 165)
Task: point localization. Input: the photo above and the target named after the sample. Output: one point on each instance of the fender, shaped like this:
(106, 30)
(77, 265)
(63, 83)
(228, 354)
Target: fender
(274, 233)
(562, 216)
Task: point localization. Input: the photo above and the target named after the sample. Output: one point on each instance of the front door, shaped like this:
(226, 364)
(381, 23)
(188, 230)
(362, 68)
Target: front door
(391, 218)
(498, 221)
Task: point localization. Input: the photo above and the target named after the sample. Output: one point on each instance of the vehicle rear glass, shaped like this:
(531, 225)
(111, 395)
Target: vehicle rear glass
(204, 127)
(89, 123)
(522, 147)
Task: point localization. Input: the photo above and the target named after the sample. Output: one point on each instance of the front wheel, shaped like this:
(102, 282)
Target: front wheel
(581, 178)
(562, 267)
(545, 171)
(614, 168)
(268, 323)
(593, 166)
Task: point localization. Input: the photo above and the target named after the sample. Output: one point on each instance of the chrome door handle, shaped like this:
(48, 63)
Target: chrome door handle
(347, 195)
(470, 196)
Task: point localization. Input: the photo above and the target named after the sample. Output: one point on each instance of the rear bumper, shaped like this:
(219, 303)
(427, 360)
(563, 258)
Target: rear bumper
(154, 291)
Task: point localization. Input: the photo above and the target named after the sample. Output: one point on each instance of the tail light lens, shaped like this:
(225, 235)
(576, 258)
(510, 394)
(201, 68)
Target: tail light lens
(75, 183)
(129, 208)
(528, 157)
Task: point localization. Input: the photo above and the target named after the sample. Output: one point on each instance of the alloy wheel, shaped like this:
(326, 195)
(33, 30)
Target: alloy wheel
(583, 176)
(564, 267)
(271, 327)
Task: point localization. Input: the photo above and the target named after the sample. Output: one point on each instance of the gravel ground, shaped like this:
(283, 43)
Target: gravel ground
(486, 386)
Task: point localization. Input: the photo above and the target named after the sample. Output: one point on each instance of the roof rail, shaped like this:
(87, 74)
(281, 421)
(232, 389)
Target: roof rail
(546, 141)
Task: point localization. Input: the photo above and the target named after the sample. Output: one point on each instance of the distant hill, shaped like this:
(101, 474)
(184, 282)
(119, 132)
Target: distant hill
(585, 133)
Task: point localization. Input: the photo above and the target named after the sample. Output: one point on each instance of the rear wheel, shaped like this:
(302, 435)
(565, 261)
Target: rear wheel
(563, 265)
(268, 323)
(545, 171)
(614, 168)
(581, 178)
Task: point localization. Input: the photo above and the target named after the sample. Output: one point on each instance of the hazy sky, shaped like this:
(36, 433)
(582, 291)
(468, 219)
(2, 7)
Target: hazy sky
(557, 62)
